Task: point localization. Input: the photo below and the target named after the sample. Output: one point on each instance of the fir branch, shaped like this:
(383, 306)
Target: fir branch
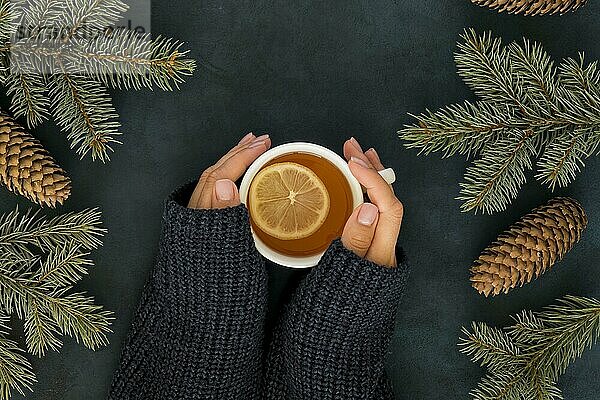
(563, 158)
(9, 11)
(75, 314)
(118, 58)
(64, 266)
(580, 94)
(83, 107)
(123, 59)
(570, 327)
(501, 386)
(71, 47)
(8, 19)
(526, 360)
(28, 97)
(41, 331)
(457, 129)
(40, 260)
(14, 275)
(576, 75)
(81, 227)
(16, 373)
(495, 179)
(82, 18)
(542, 388)
(536, 70)
(489, 346)
(38, 15)
(520, 90)
(38, 55)
(79, 317)
(526, 325)
(484, 65)
(20, 230)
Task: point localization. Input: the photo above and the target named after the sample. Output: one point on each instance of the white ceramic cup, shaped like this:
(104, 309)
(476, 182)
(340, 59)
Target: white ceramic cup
(315, 150)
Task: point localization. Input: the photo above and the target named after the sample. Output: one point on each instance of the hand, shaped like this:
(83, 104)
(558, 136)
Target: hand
(216, 187)
(373, 228)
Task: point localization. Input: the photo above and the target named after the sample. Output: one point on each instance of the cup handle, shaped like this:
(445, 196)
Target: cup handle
(387, 174)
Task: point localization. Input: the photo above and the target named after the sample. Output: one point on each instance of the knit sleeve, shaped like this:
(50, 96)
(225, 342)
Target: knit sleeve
(332, 340)
(198, 331)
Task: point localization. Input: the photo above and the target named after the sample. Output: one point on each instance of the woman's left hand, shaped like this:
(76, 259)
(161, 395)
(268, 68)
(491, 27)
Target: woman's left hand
(216, 187)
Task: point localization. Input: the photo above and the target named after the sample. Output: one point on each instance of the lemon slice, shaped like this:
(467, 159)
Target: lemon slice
(288, 201)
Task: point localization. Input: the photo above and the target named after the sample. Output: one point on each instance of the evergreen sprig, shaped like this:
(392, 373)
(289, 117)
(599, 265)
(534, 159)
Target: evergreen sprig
(16, 372)
(83, 108)
(525, 360)
(528, 110)
(67, 58)
(40, 261)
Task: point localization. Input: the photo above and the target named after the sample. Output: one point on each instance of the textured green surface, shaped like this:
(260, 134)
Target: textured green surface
(321, 71)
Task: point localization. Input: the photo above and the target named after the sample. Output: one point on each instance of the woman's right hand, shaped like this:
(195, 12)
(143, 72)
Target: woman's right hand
(372, 230)
(216, 187)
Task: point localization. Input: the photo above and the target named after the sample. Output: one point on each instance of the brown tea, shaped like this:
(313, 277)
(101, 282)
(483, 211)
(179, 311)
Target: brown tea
(341, 207)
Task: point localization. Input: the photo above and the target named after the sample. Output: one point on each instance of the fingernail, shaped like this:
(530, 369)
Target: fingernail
(257, 144)
(247, 138)
(373, 151)
(261, 138)
(225, 189)
(367, 214)
(259, 141)
(359, 162)
(355, 143)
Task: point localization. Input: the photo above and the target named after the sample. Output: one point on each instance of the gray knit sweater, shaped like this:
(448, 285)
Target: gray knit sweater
(198, 332)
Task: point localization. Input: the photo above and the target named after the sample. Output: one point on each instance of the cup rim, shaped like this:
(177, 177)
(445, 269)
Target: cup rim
(297, 147)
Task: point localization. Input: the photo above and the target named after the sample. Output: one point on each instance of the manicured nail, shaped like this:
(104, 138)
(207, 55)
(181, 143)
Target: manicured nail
(257, 144)
(355, 143)
(261, 138)
(225, 189)
(367, 214)
(372, 150)
(359, 162)
(259, 141)
(247, 138)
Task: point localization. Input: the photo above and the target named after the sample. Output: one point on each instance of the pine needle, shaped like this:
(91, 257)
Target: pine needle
(491, 347)
(8, 19)
(525, 360)
(557, 107)
(67, 58)
(38, 14)
(82, 18)
(40, 261)
(83, 108)
(485, 66)
(16, 373)
(563, 158)
(125, 60)
(458, 129)
(64, 266)
(28, 97)
(497, 176)
(40, 330)
(20, 230)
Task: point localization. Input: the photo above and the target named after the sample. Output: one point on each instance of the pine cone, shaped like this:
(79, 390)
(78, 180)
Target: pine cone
(532, 7)
(530, 247)
(27, 168)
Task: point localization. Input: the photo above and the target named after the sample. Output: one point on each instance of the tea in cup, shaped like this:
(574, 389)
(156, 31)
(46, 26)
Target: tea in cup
(299, 196)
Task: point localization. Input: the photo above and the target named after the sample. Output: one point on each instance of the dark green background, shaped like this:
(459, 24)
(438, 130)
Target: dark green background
(321, 71)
